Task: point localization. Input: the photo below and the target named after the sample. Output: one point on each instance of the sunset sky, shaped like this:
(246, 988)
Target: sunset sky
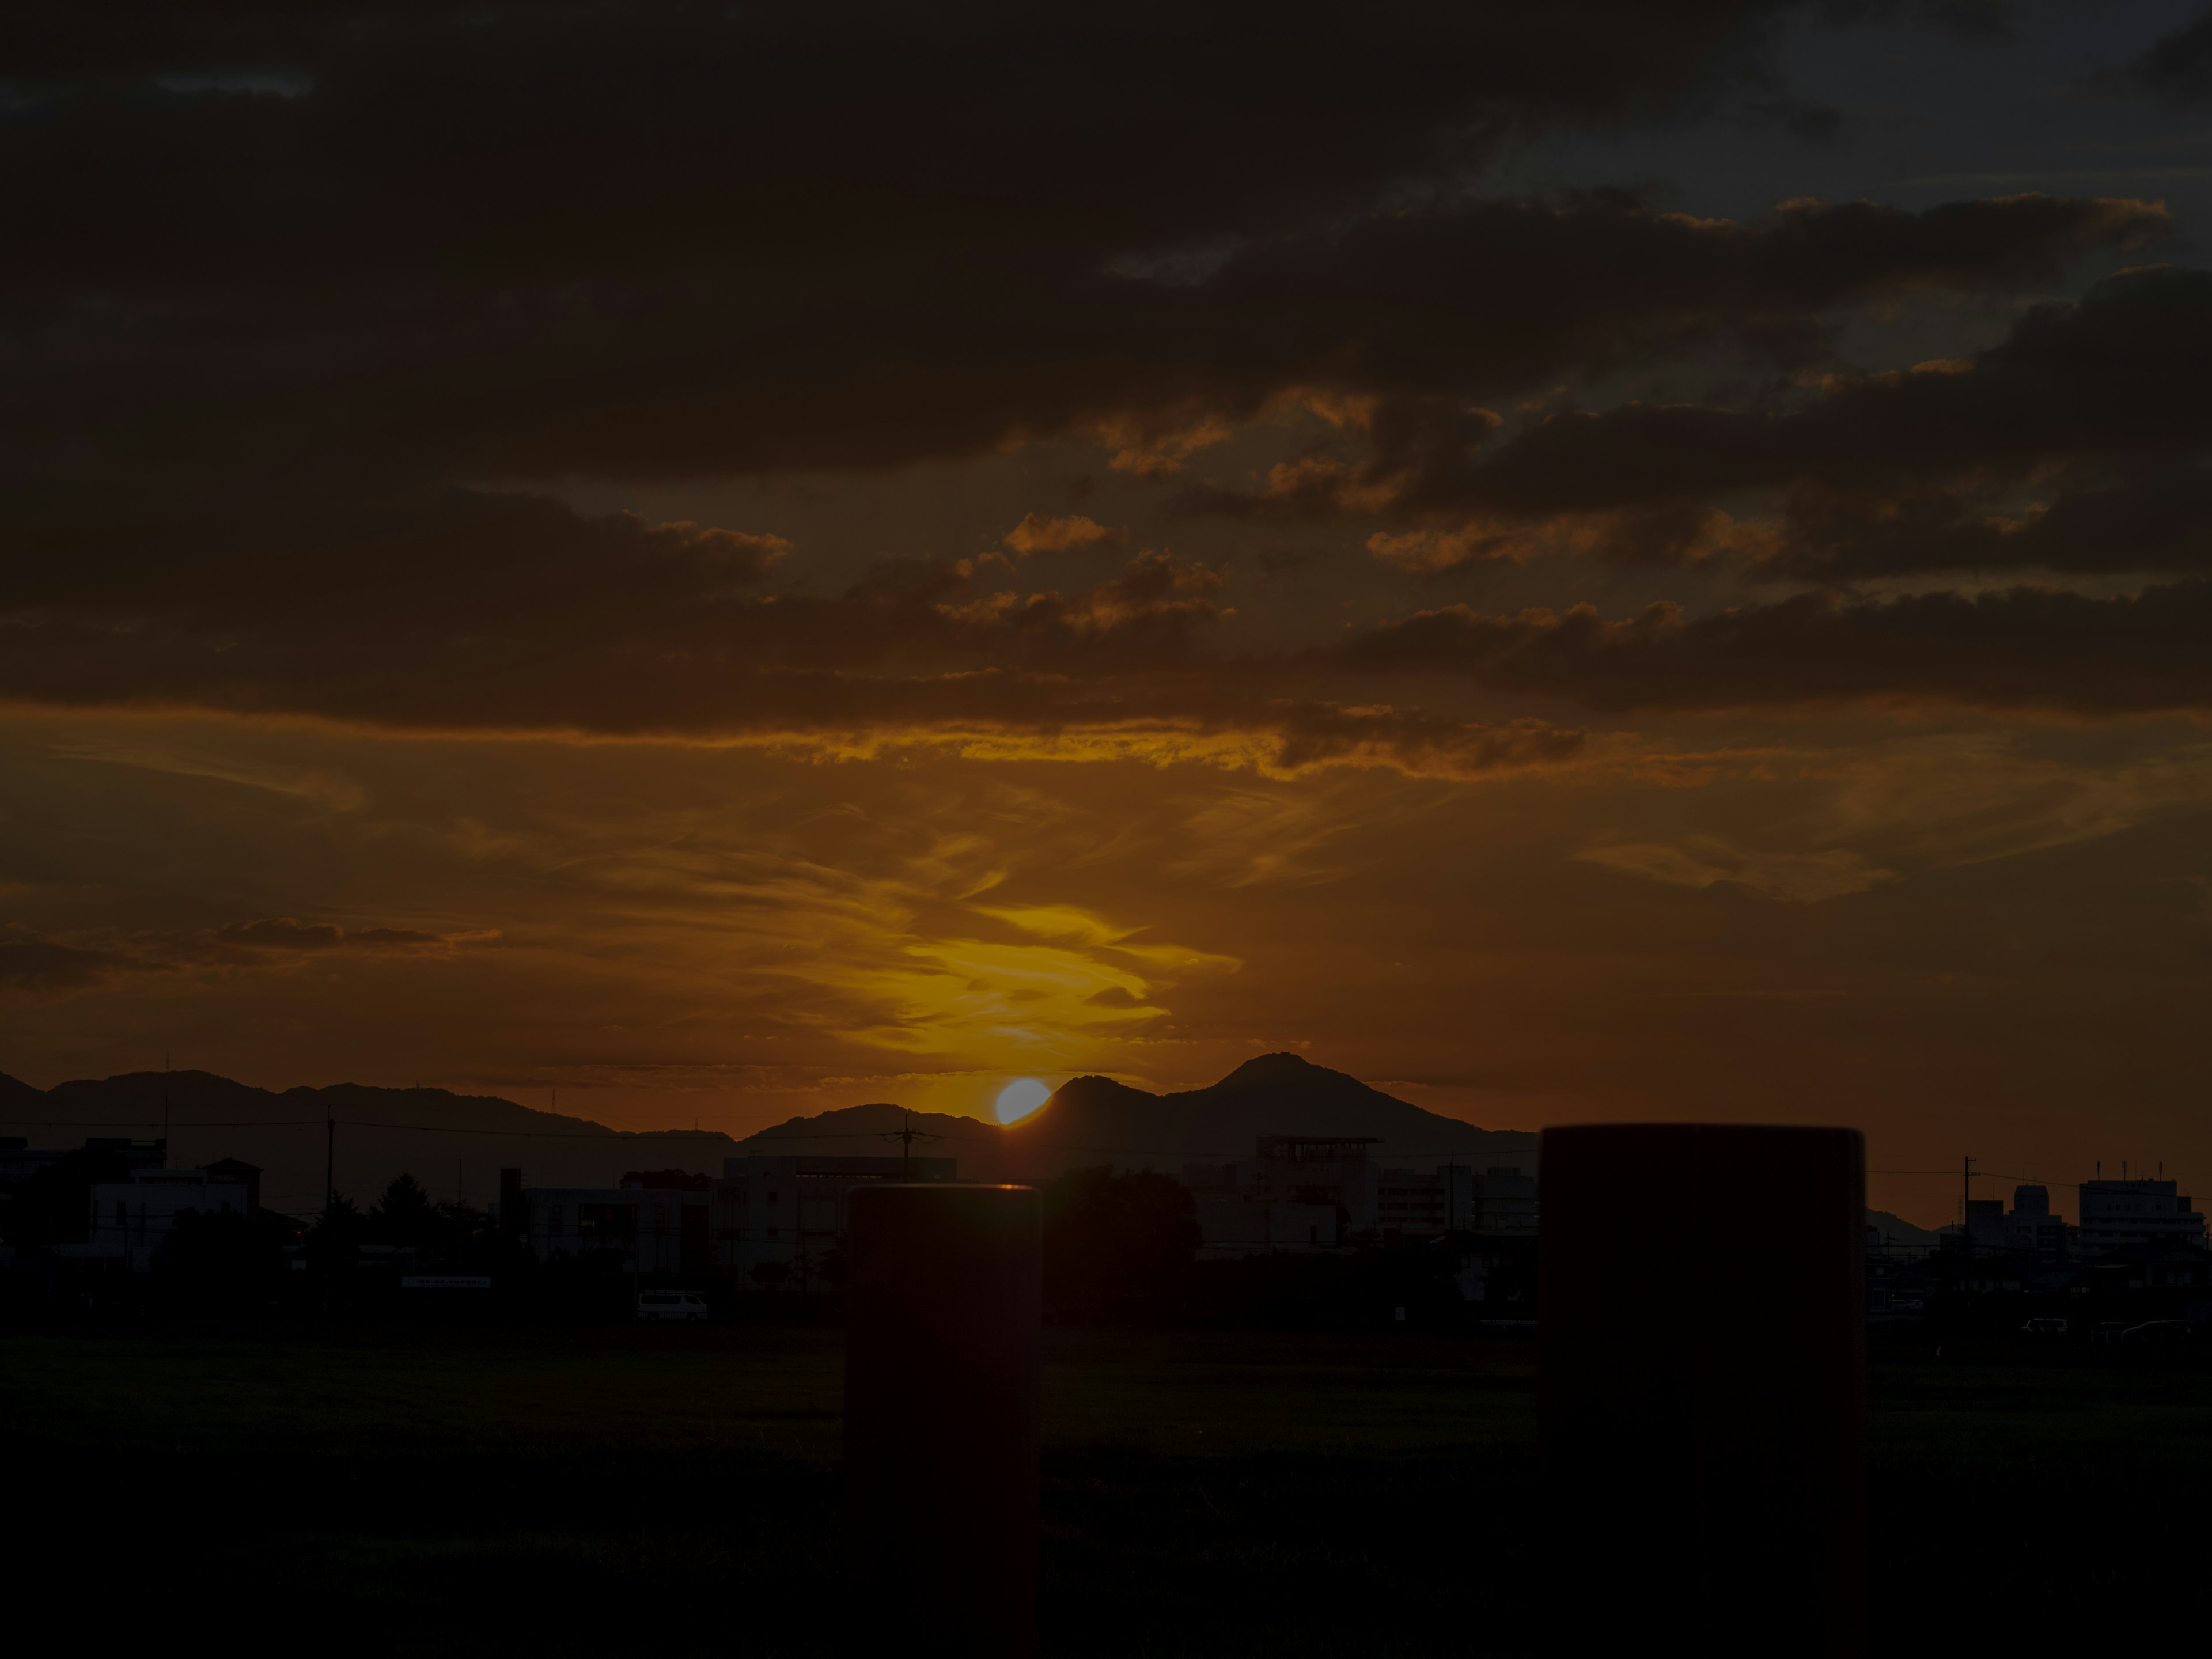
(1573, 560)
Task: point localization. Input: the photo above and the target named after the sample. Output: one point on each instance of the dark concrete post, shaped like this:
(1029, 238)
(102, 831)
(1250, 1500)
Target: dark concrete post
(942, 1289)
(1702, 1385)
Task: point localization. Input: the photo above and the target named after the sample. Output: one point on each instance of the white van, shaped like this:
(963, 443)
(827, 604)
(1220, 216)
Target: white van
(671, 1304)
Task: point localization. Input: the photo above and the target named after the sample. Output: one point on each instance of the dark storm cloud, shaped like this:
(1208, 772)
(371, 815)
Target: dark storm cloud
(1500, 295)
(654, 240)
(37, 966)
(2119, 374)
(2025, 648)
(2161, 521)
(465, 595)
(488, 611)
(287, 285)
(2078, 444)
(34, 966)
(2178, 66)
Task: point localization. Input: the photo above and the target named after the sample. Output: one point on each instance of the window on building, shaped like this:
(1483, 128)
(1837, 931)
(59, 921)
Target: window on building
(122, 1210)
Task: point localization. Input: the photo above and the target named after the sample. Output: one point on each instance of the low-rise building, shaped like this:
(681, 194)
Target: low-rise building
(1263, 1202)
(1230, 1224)
(1425, 1203)
(2117, 1213)
(1504, 1202)
(1330, 1170)
(775, 1220)
(661, 1228)
(130, 1221)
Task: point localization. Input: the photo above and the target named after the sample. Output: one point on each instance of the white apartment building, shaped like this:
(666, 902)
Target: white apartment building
(2115, 1213)
(130, 1220)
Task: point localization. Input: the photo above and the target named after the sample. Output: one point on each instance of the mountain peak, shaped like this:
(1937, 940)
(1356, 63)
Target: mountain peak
(1270, 1068)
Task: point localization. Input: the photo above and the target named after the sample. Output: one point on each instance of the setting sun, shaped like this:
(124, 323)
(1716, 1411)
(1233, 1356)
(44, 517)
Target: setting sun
(1021, 1098)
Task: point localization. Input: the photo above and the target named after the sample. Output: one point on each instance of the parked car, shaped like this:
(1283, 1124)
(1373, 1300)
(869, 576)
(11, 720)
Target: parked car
(671, 1304)
(2044, 1327)
(2161, 1330)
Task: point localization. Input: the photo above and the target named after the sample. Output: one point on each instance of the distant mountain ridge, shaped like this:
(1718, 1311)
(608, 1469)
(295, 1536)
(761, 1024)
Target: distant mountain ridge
(1092, 1120)
(455, 1144)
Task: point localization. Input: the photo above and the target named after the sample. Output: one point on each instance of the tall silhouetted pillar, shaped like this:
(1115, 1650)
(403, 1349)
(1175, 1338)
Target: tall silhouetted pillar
(1703, 1378)
(944, 1285)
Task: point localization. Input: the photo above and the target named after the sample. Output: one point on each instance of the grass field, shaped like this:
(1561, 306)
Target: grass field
(674, 1491)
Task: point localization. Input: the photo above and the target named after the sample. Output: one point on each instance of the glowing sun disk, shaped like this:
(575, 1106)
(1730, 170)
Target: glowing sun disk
(1021, 1098)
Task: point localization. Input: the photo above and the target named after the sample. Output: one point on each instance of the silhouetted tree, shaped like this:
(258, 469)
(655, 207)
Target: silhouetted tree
(1117, 1248)
(404, 1215)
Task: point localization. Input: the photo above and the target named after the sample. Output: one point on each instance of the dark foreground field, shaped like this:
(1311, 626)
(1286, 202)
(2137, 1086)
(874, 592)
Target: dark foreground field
(671, 1492)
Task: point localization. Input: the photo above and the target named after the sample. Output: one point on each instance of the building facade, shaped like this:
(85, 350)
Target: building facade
(654, 1230)
(2117, 1213)
(130, 1221)
(1504, 1202)
(1232, 1225)
(775, 1221)
(2028, 1228)
(1425, 1203)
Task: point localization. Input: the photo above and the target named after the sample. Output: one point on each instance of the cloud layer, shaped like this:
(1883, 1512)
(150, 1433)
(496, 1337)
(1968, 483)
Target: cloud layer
(318, 315)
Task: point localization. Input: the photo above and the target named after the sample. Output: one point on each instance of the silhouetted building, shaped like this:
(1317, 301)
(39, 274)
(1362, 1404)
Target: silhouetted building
(1317, 1169)
(20, 1160)
(775, 1220)
(1230, 1224)
(1504, 1202)
(648, 1228)
(1426, 1202)
(2155, 1267)
(1316, 1192)
(130, 1220)
(2028, 1228)
(2117, 1213)
(1295, 1193)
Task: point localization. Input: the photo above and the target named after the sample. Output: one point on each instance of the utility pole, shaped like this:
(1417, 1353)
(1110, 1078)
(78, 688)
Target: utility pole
(165, 1108)
(1965, 1205)
(329, 1160)
(906, 1143)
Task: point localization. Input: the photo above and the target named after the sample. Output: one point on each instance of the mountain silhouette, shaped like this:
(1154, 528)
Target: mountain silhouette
(454, 1144)
(1095, 1120)
(1092, 1120)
